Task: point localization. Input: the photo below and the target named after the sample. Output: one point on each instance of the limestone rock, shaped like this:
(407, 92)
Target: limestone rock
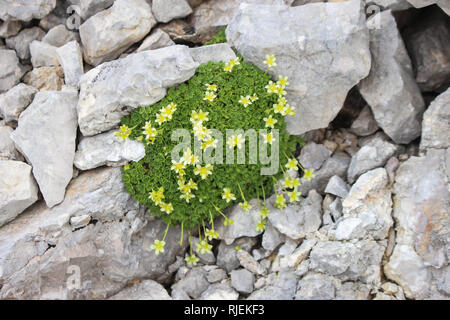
(43, 54)
(71, 60)
(13, 102)
(11, 71)
(145, 290)
(282, 288)
(336, 186)
(365, 124)
(45, 78)
(9, 28)
(435, 125)
(323, 48)
(106, 149)
(157, 39)
(219, 291)
(242, 280)
(110, 32)
(88, 8)
(113, 89)
(18, 190)
(391, 82)
(443, 4)
(8, 150)
(49, 144)
(25, 10)
(313, 155)
(59, 36)
(21, 42)
(215, 52)
(166, 10)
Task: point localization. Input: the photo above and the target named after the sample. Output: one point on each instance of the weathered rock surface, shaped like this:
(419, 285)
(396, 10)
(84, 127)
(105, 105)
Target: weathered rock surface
(215, 52)
(8, 150)
(11, 71)
(242, 280)
(313, 155)
(443, 4)
(436, 123)
(391, 82)
(365, 124)
(9, 28)
(297, 219)
(367, 208)
(113, 89)
(194, 284)
(166, 10)
(372, 155)
(45, 78)
(336, 186)
(282, 288)
(419, 262)
(43, 54)
(21, 42)
(88, 8)
(106, 149)
(25, 10)
(13, 102)
(323, 58)
(18, 190)
(71, 60)
(59, 36)
(157, 39)
(110, 32)
(145, 290)
(49, 144)
(219, 291)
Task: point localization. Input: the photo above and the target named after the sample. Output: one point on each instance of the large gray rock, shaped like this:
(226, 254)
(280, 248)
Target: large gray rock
(25, 10)
(219, 291)
(242, 280)
(297, 219)
(336, 186)
(317, 286)
(157, 39)
(39, 250)
(21, 42)
(323, 48)
(436, 123)
(282, 288)
(372, 155)
(194, 284)
(49, 144)
(113, 89)
(272, 238)
(313, 155)
(11, 71)
(443, 4)
(419, 262)
(9, 28)
(8, 150)
(365, 124)
(110, 32)
(71, 60)
(145, 290)
(428, 42)
(43, 54)
(390, 89)
(13, 102)
(166, 10)
(367, 208)
(88, 8)
(215, 52)
(244, 223)
(348, 261)
(18, 190)
(59, 36)
(45, 78)
(106, 149)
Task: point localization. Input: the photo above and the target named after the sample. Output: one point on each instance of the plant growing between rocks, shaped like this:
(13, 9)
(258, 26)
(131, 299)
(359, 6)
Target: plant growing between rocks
(189, 192)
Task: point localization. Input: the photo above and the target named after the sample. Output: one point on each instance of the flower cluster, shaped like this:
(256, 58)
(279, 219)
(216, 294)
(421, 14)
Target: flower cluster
(231, 64)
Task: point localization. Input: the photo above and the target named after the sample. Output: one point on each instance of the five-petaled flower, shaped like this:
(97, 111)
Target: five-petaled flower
(309, 174)
(209, 96)
(158, 246)
(123, 133)
(235, 140)
(245, 206)
(270, 121)
(270, 61)
(211, 87)
(203, 171)
(228, 195)
(203, 246)
(280, 202)
(271, 87)
(245, 101)
(261, 225)
(191, 259)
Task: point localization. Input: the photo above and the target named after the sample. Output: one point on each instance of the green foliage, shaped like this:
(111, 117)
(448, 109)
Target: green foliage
(154, 170)
(219, 37)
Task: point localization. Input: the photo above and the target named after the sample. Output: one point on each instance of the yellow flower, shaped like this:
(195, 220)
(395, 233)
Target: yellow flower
(149, 132)
(309, 174)
(160, 118)
(191, 184)
(178, 167)
(234, 62)
(294, 196)
(209, 143)
(211, 234)
(268, 137)
(203, 247)
(187, 195)
(271, 87)
(270, 61)
(126, 167)
(254, 97)
(157, 196)
(228, 195)
(280, 201)
(295, 182)
(261, 226)
(123, 133)
(235, 140)
(290, 111)
(245, 206)
(283, 81)
(245, 101)
(211, 87)
(280, 91)
(238, 248)
(188, 157)
(228, 221)
(278, 108)
(191, 259)
(158, 246)
(270, 122)
(209, 96)
(228, 67)
(264, 212)
(288, 182)
(282, 100)
(292, 164)
(201, 132)
(166, 207)
(203, 171)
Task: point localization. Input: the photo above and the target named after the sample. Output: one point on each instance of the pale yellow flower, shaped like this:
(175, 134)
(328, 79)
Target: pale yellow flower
(158, 246)
(270, 121)
(270, 61)
(228, 195)
(203, 171)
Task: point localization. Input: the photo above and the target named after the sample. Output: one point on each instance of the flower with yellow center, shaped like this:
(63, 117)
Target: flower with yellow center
(279, 108)
(280, 201)
(235, 141)
(280, 91)
(187, 195)
(228, 67)
(158, 246)
(283, 81)
(192, 185)
(228, 195)
(245, 206)
(126, 167)
(264, 212)
(203, 246)
(123, 133)
(189, 158)
(270, 61)
(234, 62)
(211, 142)
(160, 118)
(211, 87)
(191, 259)
(254, 98)
(204, 172)
(268, 138)
(309, 174)
(149, 132)
(292, 164)
(172, 106)
(261, 226)
(282, 100)
(211, 234)
(270, 121)
(294, 196)
(290, 111)
(271, 87)
(178, 167)
(245, 101)
(157, 196)
(166, 207)
(209, 96)
(201, 132)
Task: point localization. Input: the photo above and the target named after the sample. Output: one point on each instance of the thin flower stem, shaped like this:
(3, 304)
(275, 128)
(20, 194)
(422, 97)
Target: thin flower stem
(165, 232)
(242, 194)
(181, 240)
